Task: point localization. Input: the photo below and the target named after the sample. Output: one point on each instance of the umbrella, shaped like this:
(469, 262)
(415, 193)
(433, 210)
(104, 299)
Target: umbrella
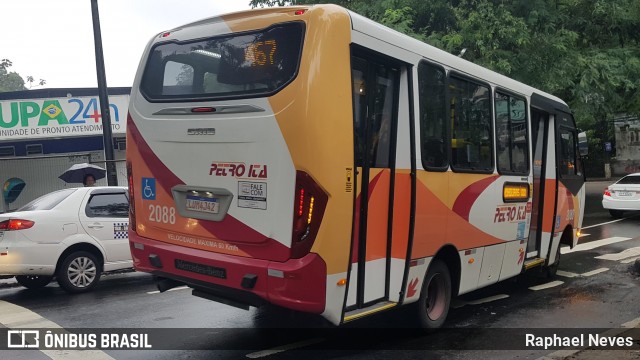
(77, 172)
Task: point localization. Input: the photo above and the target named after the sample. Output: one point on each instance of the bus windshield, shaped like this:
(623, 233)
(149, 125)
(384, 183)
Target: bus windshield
(250, 64)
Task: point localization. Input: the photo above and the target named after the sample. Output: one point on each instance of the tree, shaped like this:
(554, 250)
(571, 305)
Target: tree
(30, 80)
(586, 52)
(12, 81)
(9, 81)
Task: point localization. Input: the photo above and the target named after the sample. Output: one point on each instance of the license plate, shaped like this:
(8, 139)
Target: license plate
(624, 193)
(202, 204)
(201, 269)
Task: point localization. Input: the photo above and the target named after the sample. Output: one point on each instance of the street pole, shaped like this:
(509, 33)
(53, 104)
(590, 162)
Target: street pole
(107, 139)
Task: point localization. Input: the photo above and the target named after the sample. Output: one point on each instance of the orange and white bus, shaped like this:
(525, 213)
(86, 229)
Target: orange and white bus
(313, 159)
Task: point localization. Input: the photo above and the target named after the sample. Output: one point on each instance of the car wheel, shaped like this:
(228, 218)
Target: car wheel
(79, 272)
(616, 213)
(33, 281)
(435, 296)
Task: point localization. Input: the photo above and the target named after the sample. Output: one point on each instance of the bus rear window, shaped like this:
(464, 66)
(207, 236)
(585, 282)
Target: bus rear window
(251, 64)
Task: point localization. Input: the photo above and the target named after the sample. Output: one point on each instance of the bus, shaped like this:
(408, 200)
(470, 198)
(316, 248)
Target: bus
(313, 159)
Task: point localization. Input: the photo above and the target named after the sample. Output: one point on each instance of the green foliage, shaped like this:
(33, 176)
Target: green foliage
(586, 52)
(9, 81)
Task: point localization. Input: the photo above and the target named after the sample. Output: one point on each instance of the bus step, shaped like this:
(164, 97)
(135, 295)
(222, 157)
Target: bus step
(533, 263)
(358, 313)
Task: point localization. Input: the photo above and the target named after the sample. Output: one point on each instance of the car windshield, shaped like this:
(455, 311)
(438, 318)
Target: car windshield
(631, 179)
(47, 202)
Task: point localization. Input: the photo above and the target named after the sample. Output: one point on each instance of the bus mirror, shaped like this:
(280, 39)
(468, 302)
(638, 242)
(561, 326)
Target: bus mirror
(583, 145)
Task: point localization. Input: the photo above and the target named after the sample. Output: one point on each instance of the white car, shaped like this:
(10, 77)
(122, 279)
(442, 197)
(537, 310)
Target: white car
(74, 234)
(623, 195)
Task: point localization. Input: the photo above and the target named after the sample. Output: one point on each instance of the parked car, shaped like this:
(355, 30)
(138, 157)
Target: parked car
(74, 234)
(624, 195)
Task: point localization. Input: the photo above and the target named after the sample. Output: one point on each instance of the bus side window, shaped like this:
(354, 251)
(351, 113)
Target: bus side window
(568, 153)
(433, 118)
(512, 139)
(472, 135)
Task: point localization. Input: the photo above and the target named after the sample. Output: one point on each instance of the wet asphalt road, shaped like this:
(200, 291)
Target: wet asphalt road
(604, 300)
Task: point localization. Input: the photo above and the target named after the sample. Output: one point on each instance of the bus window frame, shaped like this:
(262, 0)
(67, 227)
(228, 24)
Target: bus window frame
(570, 125)
(527, 105)
(208, 97)
(559, 154)
(447, 122)
(465, 77)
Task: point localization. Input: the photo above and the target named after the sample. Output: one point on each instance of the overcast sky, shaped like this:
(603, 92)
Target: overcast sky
(53, 39)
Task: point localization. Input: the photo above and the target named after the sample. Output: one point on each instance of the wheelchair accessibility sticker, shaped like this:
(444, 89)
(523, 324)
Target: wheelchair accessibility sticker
(148, 188)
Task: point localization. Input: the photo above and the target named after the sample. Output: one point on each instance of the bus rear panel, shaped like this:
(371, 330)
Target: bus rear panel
(226, 200)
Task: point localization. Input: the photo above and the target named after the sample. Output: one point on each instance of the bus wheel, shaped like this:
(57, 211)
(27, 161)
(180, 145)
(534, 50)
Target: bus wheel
(435, 296)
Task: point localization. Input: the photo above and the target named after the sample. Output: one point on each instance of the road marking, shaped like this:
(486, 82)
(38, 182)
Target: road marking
(632, 324)
(488, 299)
(594, 272)
(566, 274)
(594, 244)
(460, 303)
(627, 253)
(605, 223)
(16, 317)
(564, 354)
(283, 348)
(172, 289)
(547, 285)
(630, 260)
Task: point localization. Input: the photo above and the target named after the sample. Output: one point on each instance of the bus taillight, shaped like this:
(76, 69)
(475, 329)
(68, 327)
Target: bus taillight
(309, 206)
(132, 202)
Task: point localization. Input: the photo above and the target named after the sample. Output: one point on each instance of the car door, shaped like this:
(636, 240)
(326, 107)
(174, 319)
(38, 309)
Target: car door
(105, 217)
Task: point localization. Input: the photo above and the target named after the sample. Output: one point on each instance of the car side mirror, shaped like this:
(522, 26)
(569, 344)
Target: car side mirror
(583, 145)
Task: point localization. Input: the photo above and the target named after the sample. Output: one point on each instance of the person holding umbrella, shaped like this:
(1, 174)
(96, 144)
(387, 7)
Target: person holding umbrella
(84, 173)
(89, 180)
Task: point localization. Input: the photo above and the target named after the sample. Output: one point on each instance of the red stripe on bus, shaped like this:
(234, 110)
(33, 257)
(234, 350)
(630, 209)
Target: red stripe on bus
(468, 196)
(230, 229)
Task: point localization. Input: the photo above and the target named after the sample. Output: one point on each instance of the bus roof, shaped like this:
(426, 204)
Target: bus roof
(397, 39)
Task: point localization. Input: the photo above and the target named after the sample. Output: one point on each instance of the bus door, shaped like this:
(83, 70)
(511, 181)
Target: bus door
(375, 87)
(544, 183)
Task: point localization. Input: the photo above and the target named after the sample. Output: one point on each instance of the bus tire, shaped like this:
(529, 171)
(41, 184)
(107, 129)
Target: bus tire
(435, 296)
